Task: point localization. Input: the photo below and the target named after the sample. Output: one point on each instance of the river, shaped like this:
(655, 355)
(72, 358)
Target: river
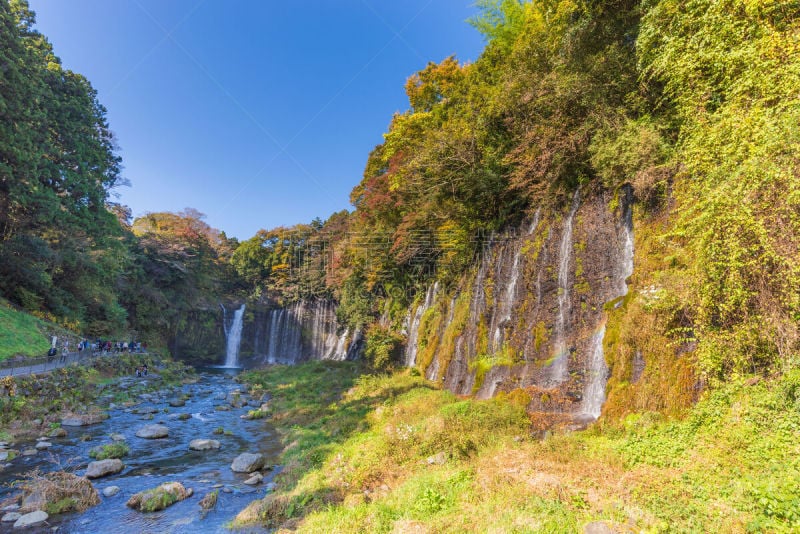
(153, 462)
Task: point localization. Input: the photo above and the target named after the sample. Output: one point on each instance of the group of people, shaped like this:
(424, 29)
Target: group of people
(100, 345)
(141, 370)
(119, 346)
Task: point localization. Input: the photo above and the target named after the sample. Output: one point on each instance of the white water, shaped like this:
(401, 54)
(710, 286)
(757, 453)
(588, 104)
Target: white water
(304, 330)
(559, 367)
(234, 335)
(414, 323)
(507, 304)
(595, 390)
(594, 394)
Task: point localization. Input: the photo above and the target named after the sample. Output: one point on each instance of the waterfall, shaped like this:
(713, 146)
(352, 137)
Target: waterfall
(597, 371)
(234, 337)
(305, 330)
(559, 367)
(627, 239)
(507, 304)
(414, 323)
(595, 391)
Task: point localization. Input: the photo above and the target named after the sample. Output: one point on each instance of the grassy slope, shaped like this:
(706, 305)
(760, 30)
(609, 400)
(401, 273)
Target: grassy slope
(358, 451)
(21, 333)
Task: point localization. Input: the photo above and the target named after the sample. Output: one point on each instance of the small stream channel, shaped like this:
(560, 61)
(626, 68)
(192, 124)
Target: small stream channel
(153, 462)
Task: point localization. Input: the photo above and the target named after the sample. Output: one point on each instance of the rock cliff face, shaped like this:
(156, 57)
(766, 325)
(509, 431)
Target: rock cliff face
(531, 312)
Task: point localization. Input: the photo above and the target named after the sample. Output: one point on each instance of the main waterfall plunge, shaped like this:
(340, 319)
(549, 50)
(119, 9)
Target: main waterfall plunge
(233, 335)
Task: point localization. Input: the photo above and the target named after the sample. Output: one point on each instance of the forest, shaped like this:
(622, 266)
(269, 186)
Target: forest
(693, 105)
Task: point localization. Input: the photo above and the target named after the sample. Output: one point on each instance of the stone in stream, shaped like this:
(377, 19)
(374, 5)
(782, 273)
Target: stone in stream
(58, 433)
(152, 432)
(110, 491)
(204, 444)
(247, 463)
(117, 437)
(255, 479)
(34, 501)
(8, 454)
(159, 498)
(10, 516)
(177, 403)
(84, 419)
(43, 445)
(29, 452)
(103, 468)
(31, 519)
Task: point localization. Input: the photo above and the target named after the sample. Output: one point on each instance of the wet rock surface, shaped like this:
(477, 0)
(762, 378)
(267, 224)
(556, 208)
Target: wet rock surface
(247, 463)
(153, 432)
(104, 468)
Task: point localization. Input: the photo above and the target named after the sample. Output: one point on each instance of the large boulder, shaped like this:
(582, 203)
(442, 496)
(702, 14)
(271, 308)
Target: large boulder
(84, 419)
(10, 516)
(110, 491)
(248, 462)
(204, 444)
(103, 468)
(159, 498)
(153, 432)
(31, 519)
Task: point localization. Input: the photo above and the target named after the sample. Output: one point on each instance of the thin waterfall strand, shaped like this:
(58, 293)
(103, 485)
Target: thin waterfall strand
(559, 367)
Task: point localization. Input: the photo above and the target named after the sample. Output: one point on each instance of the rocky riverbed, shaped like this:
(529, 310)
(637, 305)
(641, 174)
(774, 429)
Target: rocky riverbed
(197, 435)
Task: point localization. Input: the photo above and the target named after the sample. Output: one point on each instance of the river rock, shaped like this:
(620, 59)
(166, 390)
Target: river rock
(31, 519)
(10, 508)
(43, 445)
(58, 433)
(247, 463)
(10, 516)
(152, 432)
(8, 454)
(110, 491)
(177, 403)
(84, 419)
(117, 437)
(33, 501)
(159, 498)
(204, 444)
(103, 468)
(29, 452)
(255, 479)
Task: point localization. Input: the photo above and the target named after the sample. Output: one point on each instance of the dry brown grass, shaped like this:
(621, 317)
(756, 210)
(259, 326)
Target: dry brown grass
(58, 492)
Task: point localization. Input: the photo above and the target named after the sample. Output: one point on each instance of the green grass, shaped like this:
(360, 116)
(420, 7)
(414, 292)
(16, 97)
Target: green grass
(383, 453)
(21, 334)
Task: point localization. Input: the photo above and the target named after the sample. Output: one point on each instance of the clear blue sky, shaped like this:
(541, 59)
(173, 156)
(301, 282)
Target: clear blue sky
(258, 113)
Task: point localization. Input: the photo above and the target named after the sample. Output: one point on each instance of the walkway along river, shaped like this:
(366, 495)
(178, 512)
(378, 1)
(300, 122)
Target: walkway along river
(211, 403)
